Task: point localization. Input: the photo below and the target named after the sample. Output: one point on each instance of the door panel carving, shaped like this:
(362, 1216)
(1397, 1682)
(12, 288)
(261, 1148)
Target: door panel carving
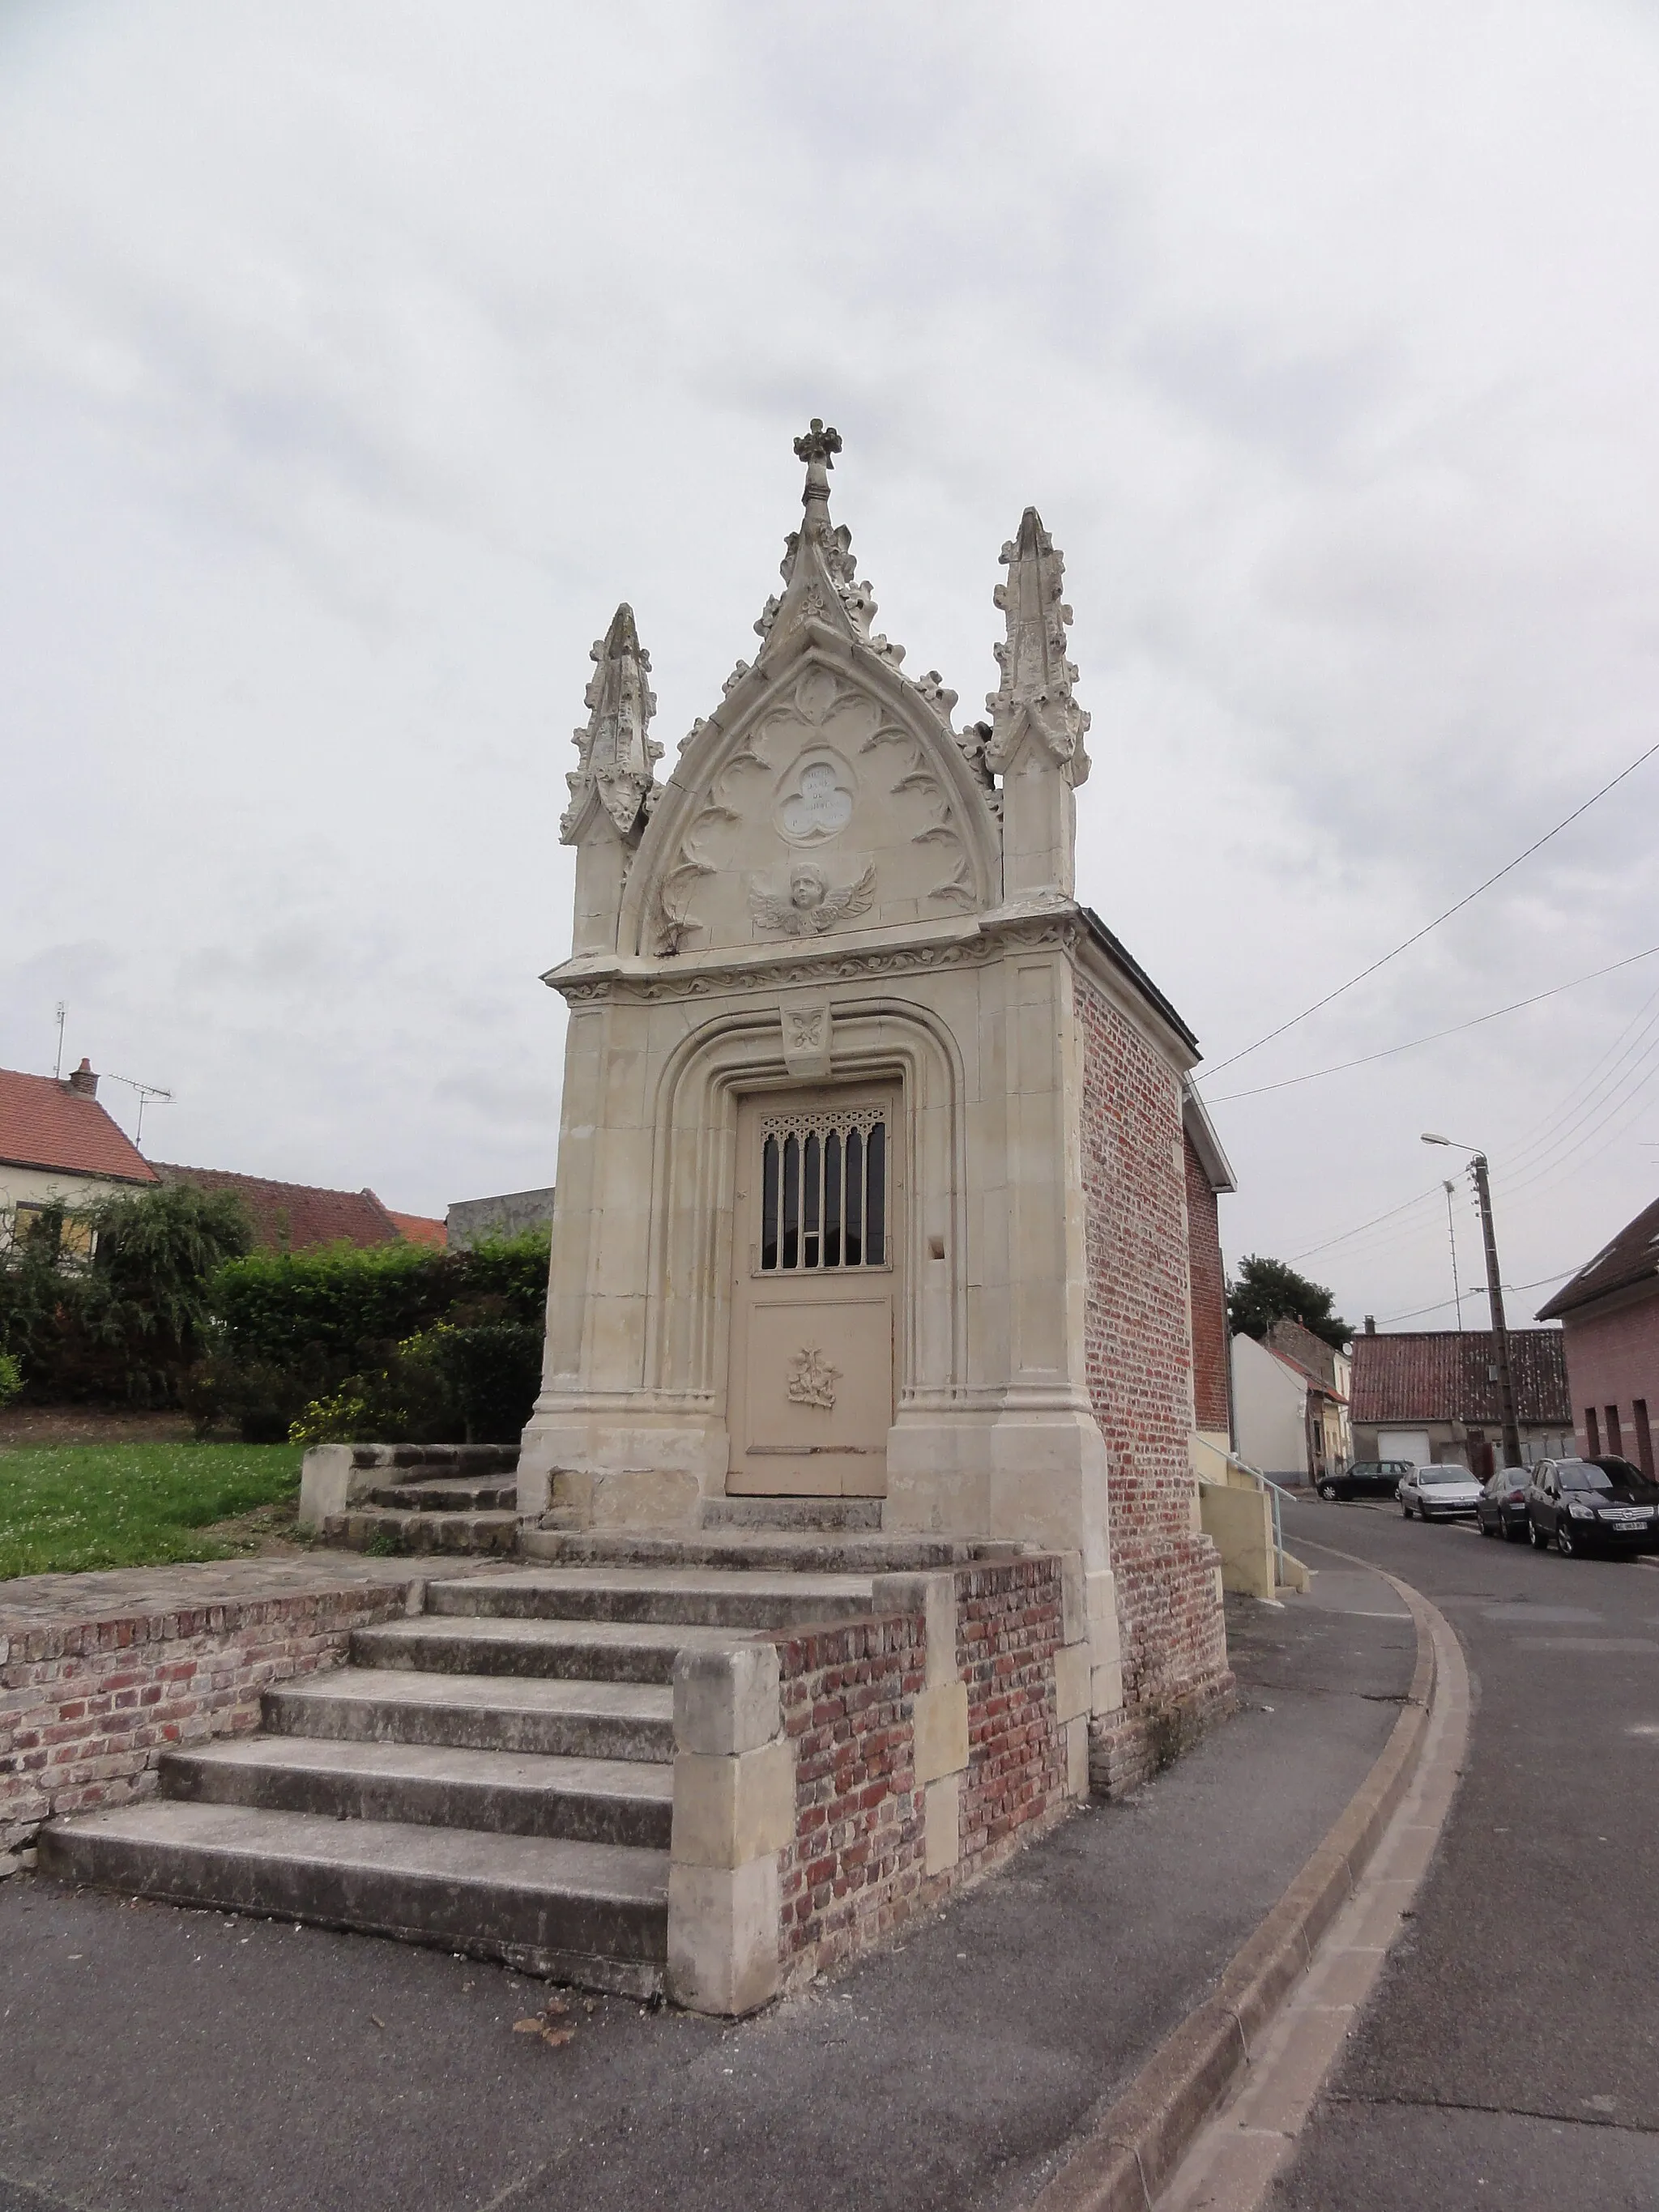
(818, 1191)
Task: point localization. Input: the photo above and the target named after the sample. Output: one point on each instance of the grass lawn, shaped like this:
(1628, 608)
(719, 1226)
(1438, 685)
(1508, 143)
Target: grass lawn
(66, 1508)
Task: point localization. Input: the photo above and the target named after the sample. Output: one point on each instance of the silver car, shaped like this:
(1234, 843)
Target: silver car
(1438, 1493)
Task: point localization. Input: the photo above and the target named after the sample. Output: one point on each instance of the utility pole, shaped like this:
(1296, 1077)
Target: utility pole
(1500, 1334)
(1499, 1327)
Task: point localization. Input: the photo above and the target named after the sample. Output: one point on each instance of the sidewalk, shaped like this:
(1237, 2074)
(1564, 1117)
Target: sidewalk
(154, 2057)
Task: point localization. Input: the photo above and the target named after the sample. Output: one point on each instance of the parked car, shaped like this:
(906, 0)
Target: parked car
(1591, 1504)
(1438, 1493)
(1364, 1478)
(1503, 1508)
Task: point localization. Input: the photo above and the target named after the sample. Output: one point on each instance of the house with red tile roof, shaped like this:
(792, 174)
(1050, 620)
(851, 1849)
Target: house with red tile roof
(297, 1217)
(58, 1147)
(1432, 1395)
(1609, 1317)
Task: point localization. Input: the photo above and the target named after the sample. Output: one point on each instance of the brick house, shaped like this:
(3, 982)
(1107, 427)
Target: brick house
(59, 1147)
(1609, 1317)
(1431, 1395)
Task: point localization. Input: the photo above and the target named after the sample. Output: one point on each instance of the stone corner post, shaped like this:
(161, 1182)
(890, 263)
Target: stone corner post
(1081, 1679)
(939, 1715)
(734, 1811)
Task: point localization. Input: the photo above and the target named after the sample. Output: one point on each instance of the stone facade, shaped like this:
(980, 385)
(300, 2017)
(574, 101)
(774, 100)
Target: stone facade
(870, 1175)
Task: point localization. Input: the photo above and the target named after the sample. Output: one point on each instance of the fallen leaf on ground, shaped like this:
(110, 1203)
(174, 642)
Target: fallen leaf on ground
(526, 2027)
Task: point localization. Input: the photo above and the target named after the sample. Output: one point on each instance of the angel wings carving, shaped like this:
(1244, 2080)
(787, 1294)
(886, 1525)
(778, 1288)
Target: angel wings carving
(811, 906)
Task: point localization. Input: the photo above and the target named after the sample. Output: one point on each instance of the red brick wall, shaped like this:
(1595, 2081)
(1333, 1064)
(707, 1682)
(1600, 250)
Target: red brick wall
(1140, 1381)
(856, 1870)
(86, 1708)
(1208, 1281)
(1612, 1360)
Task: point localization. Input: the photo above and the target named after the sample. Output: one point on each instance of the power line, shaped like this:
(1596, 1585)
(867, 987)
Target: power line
(1432, 1191)
(1366, 1059)
(1417, 936)
(1478, 1292)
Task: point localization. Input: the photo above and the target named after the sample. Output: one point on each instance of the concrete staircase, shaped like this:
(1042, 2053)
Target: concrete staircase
(492, 1775)
(434, 1504)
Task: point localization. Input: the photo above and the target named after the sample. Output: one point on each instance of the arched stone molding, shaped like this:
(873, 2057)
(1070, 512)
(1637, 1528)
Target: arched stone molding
(693, 1184)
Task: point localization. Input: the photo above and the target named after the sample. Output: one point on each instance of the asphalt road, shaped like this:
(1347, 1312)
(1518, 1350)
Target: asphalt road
(1509, 2057)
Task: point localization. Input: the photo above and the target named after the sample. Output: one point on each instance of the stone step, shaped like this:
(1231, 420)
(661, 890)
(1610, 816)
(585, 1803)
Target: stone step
(591, 1801)
(411, 1497)
(368, 1528)
(595, 1914)
(681, 1596)
(774, 1550)
(774, 1513)
(477, 1712)
(573, 1650)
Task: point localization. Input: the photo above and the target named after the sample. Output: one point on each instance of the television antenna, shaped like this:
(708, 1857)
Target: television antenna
(58, 1065)
(148, 1094)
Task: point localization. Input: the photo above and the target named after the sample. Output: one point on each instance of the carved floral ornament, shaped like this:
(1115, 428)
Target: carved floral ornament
(812, 1380)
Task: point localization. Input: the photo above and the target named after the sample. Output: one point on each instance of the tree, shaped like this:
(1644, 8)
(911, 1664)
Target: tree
(1267, 1291)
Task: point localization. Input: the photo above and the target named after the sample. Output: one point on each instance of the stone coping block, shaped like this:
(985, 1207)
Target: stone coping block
(725, 1701)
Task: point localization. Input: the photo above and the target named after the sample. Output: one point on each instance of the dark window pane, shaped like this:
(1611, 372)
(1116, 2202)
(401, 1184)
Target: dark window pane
(792, 1201)
(770, 1203)
(875, 1238)
(832, 1199)
(810, 1176)
(855, 1199)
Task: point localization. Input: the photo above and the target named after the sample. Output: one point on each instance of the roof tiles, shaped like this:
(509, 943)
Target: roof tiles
(1446, 1375)
(44, 1123)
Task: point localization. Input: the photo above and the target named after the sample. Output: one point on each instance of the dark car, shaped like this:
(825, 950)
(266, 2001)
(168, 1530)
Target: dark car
(1592, 1504)
(1363, 1477)
(1503, 1508)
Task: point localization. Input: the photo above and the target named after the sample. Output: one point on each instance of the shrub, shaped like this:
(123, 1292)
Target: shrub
(493, 1370)
(11, 1378)
(129, 1323)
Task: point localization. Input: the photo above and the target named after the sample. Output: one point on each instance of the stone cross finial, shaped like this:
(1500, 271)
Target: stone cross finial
(818, 444)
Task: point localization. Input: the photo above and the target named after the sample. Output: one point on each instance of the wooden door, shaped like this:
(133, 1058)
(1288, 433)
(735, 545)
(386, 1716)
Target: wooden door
(820, 1200)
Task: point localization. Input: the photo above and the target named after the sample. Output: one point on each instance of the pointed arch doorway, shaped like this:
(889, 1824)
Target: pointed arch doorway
(820, 1200)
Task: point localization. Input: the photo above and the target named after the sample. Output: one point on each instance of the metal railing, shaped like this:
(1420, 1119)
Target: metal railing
(1275, 1493)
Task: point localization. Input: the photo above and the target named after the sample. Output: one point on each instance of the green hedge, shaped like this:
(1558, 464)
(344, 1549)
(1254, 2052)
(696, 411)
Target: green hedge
(292, 1311)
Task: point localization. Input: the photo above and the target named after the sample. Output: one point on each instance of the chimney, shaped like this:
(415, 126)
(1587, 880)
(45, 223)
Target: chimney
(1371, 1324)
(83, 1082)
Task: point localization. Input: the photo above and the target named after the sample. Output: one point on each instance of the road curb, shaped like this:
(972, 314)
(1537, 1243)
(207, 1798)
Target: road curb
(1138, 2144)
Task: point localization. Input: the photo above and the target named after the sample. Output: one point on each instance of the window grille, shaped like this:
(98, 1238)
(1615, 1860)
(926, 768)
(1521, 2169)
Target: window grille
(823, 1189)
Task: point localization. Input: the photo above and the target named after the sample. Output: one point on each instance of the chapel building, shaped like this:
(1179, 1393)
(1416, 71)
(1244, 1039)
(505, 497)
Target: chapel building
(873, 1183)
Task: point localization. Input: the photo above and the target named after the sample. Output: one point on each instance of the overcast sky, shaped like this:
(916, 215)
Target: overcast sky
(359, 358)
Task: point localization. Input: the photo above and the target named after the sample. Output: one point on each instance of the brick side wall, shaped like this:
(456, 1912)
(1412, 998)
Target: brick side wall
(1612, 1359)
(1208, 1294)
(856, 1871)
(87, 1708)
(1140, 1380)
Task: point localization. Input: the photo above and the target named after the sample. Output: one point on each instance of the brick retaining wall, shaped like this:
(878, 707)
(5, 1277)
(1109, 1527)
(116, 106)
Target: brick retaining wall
(857, 1867)
(88, 1707)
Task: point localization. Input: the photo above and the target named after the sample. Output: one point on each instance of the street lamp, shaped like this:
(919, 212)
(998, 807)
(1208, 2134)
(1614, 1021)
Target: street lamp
(1494, 1295)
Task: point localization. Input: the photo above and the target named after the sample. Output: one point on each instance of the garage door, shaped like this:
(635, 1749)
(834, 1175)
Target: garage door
(1404, 1443)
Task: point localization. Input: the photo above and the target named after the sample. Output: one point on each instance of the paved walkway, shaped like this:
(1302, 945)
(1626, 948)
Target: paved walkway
(49, 1601)
(151, 2056)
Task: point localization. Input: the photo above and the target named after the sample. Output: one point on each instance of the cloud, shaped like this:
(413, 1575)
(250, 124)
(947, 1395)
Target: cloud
(358, 363)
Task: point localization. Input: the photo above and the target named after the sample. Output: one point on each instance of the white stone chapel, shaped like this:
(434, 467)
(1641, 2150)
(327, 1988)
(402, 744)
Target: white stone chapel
(870, 1177)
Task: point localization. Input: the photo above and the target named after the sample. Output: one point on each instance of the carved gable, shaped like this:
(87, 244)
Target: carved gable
(833, 802)
(828, 792)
